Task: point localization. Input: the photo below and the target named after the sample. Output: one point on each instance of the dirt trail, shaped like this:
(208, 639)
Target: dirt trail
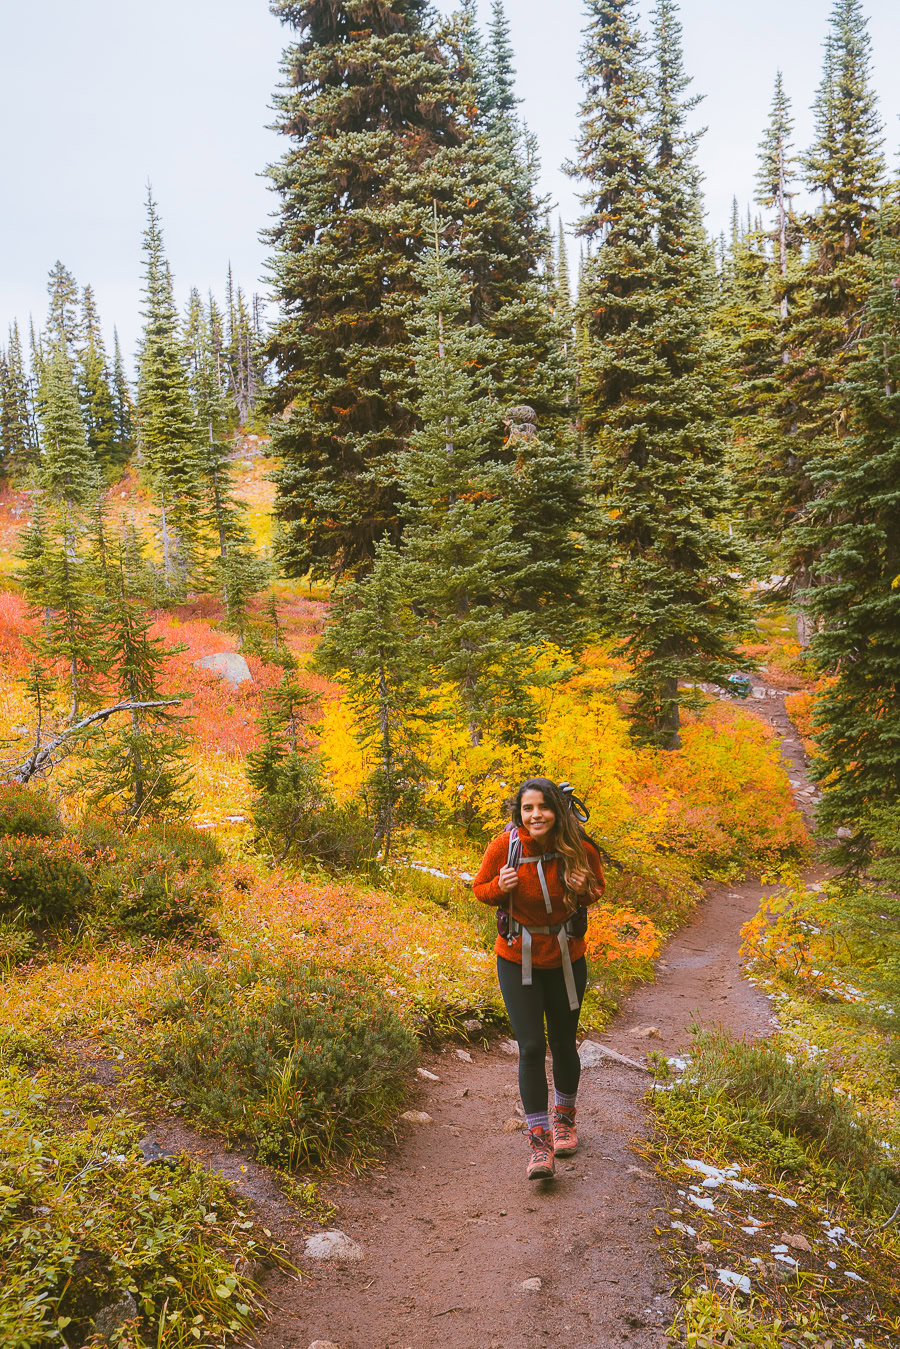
(449, 1227)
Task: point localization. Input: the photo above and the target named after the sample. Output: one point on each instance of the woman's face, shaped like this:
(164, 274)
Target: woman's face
(537, 816)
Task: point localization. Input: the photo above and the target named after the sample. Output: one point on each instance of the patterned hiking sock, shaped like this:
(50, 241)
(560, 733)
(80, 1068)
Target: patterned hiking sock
(562, 1099)
(539, 1121)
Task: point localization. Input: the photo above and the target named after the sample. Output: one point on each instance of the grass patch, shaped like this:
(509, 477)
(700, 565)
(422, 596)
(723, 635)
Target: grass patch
(86, 1225)
(777, 1191)
(307, 1066)
(791, 1107)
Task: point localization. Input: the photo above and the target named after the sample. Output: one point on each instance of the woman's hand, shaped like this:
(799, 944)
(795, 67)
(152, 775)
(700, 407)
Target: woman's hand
(508, 879)
(577, 882)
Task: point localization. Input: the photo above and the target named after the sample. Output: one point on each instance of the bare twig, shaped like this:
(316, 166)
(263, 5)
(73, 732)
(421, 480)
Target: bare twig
(41, 758)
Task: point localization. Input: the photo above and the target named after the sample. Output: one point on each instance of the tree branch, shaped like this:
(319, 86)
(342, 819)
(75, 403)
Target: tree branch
(39, 758)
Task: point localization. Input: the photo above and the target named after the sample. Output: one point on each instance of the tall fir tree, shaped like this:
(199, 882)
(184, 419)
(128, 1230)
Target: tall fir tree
(57, 577)
(18, 443)
(461, 558)
(852, 529)
(237, 572)
(67, 471)
(665, 583)
(347, 245)
(501, 69)
(774, 186)
(123, 406)
(97, 405)
(760, 274)
(139, 768)
(63, 319)
(71, 637)
(165, 419)
(845, 164)
(372, 644)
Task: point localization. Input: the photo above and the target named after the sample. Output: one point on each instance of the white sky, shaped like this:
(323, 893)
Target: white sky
(97, 96)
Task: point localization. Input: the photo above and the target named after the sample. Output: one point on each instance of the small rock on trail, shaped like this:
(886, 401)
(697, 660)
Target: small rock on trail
(332, 1245)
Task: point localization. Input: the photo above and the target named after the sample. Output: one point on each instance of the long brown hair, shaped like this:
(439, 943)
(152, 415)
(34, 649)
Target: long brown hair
(569, 838)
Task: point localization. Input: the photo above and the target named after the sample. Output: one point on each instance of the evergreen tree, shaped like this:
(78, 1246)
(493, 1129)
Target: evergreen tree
(36, 353)
(649, 382)
(56, 577)
(123, 407)
(564, 286)
(67, 472)
(238, 573)
(95, 393)
(63, 322)
(72, 628)
(501, 68)
(139, 767)
(18, 448)
(852, 529)
(165, 420)
(774, 184)
(347, 248)
(462, 560)
(372, 645)
(845, 165)
(760, 273)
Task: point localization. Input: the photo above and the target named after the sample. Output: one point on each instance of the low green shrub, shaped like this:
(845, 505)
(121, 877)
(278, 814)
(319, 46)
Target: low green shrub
(28, 811)
(42, 879)
(794, 1099)
(86, 1224)
(298, 1061)
(157, 882)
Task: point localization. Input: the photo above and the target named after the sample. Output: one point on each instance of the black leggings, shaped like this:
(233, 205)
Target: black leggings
(526, 1008)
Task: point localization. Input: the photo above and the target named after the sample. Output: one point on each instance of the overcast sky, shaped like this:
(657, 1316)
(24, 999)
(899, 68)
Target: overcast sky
(98, 96)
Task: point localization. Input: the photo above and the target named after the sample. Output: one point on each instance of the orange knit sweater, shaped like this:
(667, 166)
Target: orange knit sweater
(528, 900)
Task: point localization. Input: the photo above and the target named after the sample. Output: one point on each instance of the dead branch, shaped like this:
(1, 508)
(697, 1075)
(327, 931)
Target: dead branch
(41, 757)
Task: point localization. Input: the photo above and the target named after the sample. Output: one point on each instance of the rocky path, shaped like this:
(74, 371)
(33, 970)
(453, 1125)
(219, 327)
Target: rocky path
(449, 1245)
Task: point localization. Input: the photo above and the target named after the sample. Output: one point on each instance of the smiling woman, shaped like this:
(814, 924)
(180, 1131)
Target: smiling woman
(547, 871)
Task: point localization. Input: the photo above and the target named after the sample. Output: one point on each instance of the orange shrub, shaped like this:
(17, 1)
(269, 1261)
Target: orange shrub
(620, 934)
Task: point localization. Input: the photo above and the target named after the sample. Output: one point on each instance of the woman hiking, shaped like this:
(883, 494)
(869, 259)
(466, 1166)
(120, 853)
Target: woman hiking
(541, 874)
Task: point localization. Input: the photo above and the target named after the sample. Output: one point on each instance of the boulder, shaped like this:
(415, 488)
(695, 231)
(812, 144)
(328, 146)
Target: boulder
(417, 1117)
(228, 665)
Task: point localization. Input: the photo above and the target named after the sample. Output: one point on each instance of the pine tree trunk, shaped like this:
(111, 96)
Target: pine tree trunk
(168, 567)
(670, 719)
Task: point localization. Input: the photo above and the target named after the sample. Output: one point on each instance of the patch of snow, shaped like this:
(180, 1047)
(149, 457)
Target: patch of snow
(850, 1275)
(787, 1260)
(685, 1228)
(706, 1204)
(732, 1280)
(791, 1203)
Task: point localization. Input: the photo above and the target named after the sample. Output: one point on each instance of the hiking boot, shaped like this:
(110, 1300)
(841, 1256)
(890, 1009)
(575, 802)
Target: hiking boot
(541, 1166)
(565, 1140)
